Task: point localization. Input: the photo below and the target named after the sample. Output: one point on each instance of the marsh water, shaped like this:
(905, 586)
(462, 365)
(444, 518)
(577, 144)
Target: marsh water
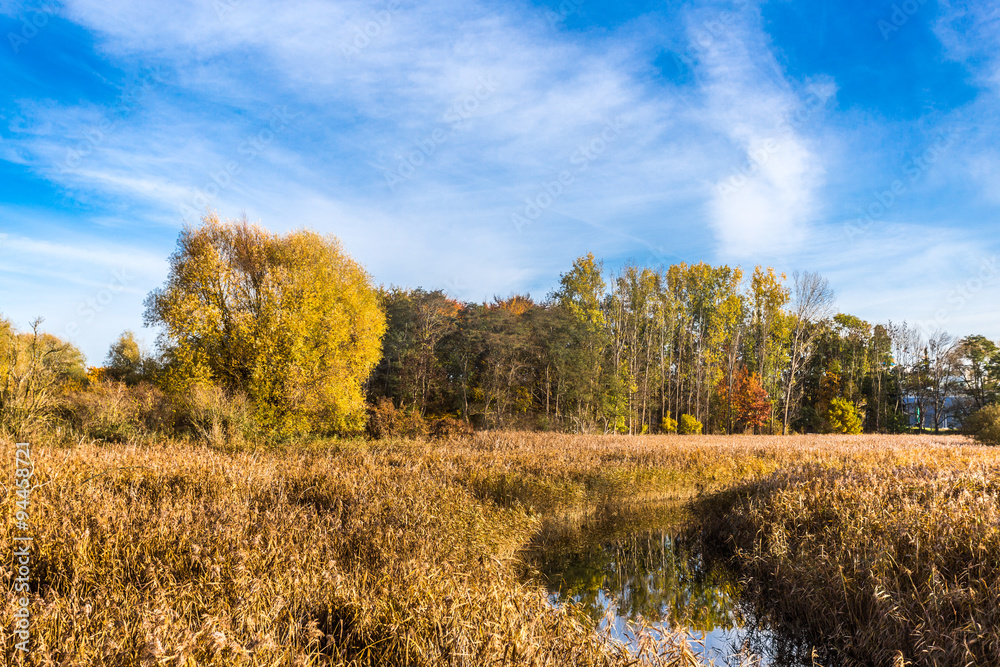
(641, 565)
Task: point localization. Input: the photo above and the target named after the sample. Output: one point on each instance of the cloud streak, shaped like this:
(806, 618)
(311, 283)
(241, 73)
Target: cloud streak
(768, 203)
(416, 131)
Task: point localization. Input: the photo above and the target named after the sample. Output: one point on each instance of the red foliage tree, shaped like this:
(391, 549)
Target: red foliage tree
(751, 406)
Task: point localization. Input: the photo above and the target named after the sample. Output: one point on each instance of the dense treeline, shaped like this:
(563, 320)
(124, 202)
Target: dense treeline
(685, 348)
(282, 335)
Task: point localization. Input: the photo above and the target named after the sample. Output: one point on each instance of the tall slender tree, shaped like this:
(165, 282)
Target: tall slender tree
(813, 302)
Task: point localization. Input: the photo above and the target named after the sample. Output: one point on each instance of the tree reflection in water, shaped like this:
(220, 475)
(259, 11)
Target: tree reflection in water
(649, 574)
(640, 565)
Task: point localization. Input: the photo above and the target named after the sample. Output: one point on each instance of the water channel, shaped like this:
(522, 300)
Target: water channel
(621, 568)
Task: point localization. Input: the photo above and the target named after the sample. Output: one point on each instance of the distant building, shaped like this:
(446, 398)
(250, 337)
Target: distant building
(923, 415)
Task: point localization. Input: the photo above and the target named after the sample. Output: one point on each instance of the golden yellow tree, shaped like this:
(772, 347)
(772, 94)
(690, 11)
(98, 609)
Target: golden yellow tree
(290, 320)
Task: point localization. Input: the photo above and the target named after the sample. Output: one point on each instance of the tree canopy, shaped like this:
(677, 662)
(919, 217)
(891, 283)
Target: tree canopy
(633, 351)
(288, 319)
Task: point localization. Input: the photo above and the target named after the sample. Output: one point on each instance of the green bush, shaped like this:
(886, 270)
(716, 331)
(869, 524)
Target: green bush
(984, 425)
(842, 417)
(689, 426)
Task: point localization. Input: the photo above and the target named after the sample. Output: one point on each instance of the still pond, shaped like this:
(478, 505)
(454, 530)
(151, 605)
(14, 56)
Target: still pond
(647, 566)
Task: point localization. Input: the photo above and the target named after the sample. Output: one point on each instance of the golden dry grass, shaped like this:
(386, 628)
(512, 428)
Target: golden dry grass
(344, 554)
(891, 555)
(405, 552)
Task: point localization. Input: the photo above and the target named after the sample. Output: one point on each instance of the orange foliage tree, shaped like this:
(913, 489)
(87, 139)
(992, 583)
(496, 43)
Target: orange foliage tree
(750, 404)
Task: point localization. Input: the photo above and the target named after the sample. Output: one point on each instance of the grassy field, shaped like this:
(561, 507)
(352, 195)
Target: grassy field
(889, 549)
(406, 552)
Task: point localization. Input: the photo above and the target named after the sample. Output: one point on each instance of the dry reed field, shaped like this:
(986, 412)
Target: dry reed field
(405, 552)
(892, 554)
(348, 554)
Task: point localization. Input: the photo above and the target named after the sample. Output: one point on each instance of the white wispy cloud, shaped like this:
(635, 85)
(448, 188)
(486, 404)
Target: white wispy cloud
(504, 102)
(934, 278)
(86, 292)
(970, 34)
(421, 133)
(28, 252)
(767, 201)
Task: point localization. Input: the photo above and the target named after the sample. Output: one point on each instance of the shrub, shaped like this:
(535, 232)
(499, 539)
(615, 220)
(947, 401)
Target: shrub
(448, 428)
(155, 408)
(385, 420)
(35, 367)
(689, 426)
(411, 425)
(216, 416)
(114, 412)
(105, 411)
(984, 425)
(842, 417)
(668, 424)
(382, 419)
(541, 423)
(479, 421)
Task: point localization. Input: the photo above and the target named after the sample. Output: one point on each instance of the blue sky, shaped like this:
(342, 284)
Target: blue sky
(480, 146)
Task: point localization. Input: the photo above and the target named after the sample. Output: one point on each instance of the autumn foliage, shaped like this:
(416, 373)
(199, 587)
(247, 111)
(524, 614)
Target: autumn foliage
(749, 402)
(288, 320)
